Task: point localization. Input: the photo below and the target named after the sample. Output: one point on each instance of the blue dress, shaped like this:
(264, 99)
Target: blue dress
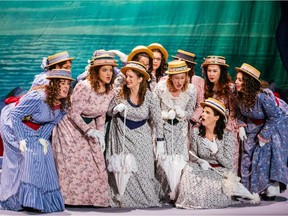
(29, 180)
(261, 166)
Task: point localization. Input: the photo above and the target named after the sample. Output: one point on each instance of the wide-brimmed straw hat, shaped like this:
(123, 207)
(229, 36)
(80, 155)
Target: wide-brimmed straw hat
(57, 58)
(215, 60)
(251, 71)
(217, 105)
(176, 67)
(159, 47)
(59, 74)
(136, 66)
(185, 56)
(102, 60)
(140, 49)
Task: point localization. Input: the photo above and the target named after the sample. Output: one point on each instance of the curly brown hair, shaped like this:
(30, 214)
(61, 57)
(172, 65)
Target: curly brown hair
(248, 94)
(52, 93)
(170, 85)
(219, 127)
(160, 72)
(125, 91)
(94, 80)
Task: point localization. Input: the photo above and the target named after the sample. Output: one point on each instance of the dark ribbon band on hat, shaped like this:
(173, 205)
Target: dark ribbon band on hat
(185, 57)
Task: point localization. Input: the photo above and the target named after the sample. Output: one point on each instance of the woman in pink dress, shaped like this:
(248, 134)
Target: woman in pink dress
(78, 140)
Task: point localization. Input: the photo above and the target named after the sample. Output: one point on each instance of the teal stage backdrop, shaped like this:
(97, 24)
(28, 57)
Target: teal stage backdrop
(242, 31)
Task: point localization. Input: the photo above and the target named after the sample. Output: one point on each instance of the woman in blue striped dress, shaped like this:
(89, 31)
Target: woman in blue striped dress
(29, 179)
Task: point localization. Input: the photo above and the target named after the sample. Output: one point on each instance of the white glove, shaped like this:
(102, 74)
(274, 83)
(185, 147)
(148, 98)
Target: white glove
(119, 108)
(45, 144)
(96, 134)
(102, 143)
(171, 114)
(123, 57)
(242, 134)
(160, 148)
(261, 143)
(22, 146)
(212, 146)
(165, 115)
(179, 112)
(204, 164)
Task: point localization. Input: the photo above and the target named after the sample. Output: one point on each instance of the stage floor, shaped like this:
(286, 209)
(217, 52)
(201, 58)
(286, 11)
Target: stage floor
(277, 207)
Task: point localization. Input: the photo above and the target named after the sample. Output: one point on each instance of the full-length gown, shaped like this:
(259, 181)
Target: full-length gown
(262, 166)
(29, 180)
(141, 190)
(203, 188)
(79, 160)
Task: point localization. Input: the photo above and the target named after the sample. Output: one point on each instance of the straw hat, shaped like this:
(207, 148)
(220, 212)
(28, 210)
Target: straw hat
(185, 56)
(59, 74)
(135, 66)
(159, 47)
(140, 49)
(251, 71)
(176, 67)
(57, 58)
(104, 59)
(215, 60)
(217, 105)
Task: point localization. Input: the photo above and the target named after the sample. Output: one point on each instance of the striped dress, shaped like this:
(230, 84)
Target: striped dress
(29, 180)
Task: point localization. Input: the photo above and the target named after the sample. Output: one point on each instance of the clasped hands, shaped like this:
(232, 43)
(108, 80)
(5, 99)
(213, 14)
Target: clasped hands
(173, 113)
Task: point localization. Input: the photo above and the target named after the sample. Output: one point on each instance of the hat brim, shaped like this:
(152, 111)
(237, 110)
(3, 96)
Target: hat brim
(162, 50)
(207, 63)
(182, 59)
(59, 77)
(104, 64)
(125, 68)
(63, 60)
(178, 72)
(135, 52)
(247, 72)
(203, 104)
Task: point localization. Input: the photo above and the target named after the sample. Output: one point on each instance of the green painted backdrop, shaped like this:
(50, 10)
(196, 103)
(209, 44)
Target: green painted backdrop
(242, 31)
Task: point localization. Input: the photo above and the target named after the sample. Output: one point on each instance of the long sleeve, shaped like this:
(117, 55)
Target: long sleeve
(79, 99)
(198, 82)
(272, 115)
(225, 150)
(28, 104)
(155, 113)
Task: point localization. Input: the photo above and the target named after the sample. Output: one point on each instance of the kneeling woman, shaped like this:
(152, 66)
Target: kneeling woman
(212, 146)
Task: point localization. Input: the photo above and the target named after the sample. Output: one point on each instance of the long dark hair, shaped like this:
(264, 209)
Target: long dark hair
(219, 127)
